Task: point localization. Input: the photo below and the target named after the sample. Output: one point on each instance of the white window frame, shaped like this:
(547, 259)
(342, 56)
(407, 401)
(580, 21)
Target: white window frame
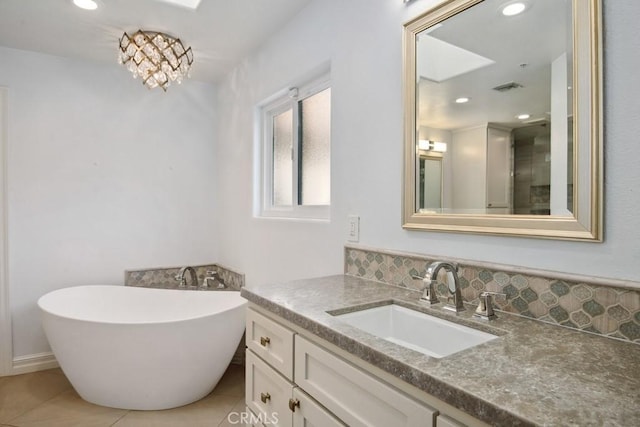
(281, 102)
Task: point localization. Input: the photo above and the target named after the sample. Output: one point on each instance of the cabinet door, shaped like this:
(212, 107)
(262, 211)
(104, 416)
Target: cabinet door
(354, 396)
(267, 393)
(308, 413)
(271, 341)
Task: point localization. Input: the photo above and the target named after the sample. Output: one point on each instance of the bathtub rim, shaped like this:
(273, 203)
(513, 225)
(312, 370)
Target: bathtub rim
(241, 302)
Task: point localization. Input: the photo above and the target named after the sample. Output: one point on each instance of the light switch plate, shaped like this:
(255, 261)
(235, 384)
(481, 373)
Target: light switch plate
(353, 228)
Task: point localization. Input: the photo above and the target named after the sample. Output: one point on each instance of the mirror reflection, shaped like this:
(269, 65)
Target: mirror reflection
(494, 110)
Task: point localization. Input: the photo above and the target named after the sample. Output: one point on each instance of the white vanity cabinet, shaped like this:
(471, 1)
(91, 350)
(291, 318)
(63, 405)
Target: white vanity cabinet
(354, 396)
(278, 402)
(298, 382)
(309, 413)
(270, 393)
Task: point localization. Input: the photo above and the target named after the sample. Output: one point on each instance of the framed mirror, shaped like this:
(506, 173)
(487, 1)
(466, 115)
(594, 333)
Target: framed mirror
(503, 129)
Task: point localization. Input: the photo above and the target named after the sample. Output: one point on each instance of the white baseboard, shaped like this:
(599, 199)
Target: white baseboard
(33, 363)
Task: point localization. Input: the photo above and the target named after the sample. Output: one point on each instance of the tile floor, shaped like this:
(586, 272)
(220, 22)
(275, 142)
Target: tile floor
(47, 399)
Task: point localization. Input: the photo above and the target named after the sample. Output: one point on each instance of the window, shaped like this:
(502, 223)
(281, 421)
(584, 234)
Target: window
(296, 153)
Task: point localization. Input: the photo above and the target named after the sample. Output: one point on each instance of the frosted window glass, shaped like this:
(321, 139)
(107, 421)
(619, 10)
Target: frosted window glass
(315, 155)
(282, 159)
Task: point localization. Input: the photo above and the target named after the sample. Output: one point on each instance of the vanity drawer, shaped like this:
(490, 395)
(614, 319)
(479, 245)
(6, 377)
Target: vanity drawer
(352, 395)
(267, 393)
(270, 341)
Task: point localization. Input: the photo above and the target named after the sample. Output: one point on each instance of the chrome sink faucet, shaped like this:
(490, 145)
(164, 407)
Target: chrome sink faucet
(455, 297)
(183, 281)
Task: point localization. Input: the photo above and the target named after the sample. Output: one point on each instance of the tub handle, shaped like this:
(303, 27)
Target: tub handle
(264, 341)
(265, 397)
(293, 404)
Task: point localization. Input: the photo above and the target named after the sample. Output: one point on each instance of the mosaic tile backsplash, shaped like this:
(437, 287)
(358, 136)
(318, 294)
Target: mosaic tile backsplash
(604, 310)
(165, 277)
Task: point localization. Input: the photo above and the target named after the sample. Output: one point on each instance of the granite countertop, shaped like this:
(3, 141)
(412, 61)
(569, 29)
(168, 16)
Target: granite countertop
(533, 374)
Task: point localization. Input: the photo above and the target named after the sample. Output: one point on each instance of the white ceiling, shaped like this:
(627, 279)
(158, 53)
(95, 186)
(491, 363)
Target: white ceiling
(220, 32)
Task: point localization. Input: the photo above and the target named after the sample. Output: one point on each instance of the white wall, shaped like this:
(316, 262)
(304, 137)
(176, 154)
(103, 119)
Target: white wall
(363, 39)
(103, 175)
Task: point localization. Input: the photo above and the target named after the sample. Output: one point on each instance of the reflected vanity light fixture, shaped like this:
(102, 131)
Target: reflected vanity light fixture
(159, 59)
(428, 145)
(462, 100)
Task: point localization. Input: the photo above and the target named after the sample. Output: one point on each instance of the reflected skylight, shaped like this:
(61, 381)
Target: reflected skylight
(190, 4)
(452, 60)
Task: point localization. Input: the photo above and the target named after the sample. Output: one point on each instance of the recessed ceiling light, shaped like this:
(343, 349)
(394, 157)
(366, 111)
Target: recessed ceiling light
(462, 100)
(86, 4)
(513, 9)
(523, 116)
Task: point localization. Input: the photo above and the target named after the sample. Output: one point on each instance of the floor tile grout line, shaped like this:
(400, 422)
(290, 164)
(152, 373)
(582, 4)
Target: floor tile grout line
(37, 406)
(226, 417)
(118, 420)
(234, 379)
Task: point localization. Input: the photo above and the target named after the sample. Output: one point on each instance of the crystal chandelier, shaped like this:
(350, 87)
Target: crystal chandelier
(157, 58)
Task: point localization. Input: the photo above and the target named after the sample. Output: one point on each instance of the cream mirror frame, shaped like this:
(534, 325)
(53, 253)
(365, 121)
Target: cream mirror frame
(584, 222)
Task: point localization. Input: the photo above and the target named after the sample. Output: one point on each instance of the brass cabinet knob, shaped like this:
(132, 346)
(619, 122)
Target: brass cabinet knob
(293, 404)
(264, 341)
(265, 397)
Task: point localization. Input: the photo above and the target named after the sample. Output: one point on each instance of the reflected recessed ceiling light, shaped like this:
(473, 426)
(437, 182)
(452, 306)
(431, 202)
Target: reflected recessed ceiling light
(513, 9)
(523, 116)
(462, 100)
(86, 4)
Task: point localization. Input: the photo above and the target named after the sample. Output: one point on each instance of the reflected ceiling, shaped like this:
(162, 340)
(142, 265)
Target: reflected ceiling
(480, 63)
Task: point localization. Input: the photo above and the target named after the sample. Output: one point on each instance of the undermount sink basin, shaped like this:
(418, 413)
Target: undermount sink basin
(416, 330)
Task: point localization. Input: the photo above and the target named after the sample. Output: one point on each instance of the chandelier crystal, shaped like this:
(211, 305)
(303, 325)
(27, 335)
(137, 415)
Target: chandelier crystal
(159, 59)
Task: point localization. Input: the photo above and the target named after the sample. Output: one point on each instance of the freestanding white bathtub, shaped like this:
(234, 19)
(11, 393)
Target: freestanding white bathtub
(141, 348)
